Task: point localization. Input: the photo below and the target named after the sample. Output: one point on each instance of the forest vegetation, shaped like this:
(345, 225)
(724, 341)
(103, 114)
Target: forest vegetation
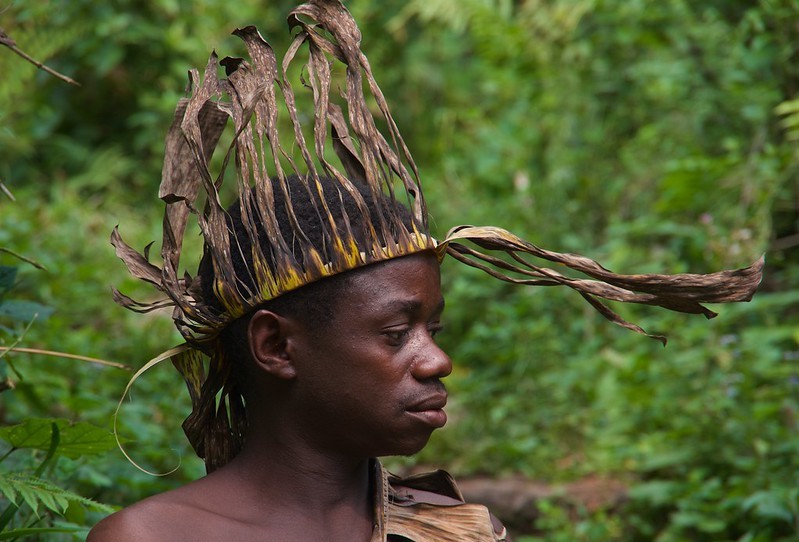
(650, 136)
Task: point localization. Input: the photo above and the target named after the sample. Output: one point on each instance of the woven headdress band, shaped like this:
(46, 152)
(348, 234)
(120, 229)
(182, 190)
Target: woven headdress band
(364, 164)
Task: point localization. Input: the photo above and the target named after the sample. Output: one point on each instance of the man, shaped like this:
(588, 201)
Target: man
(316, 304)
(333, 375)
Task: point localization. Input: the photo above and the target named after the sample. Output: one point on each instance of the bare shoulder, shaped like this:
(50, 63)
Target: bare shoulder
(152, 520)
(129, 524)
(170, 516)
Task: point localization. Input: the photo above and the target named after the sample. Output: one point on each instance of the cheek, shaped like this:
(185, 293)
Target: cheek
(354, 369)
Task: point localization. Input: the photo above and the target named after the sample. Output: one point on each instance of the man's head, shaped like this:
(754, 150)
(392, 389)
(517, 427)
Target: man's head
(316, 312)
(367, 382)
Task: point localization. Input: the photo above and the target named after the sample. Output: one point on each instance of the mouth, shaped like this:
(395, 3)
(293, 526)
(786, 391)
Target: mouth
(434, 402)
(430, 410)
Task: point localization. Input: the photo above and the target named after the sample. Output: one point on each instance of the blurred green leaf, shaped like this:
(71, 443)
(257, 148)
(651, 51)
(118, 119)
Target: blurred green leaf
(24, 311)
(8, 275)
(77, 439)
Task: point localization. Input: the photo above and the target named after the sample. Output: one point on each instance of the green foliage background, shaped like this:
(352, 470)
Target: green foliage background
(652, 136)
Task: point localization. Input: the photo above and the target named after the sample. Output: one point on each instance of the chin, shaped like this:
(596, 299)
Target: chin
(408, 447)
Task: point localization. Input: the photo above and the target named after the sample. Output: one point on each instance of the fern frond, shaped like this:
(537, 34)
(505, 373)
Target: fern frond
(19, 489)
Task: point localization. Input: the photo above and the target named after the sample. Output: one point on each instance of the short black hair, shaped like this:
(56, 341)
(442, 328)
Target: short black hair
(313, 303)
(217, 425)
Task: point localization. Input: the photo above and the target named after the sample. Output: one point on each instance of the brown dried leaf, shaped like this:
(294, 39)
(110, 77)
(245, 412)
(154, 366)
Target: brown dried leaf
(681, 292)
(137, 264)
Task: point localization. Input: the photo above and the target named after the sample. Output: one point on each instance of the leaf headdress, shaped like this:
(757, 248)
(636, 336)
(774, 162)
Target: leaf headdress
(365, 163)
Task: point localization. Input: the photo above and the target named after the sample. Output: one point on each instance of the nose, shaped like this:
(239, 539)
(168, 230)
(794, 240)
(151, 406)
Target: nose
(431, 362)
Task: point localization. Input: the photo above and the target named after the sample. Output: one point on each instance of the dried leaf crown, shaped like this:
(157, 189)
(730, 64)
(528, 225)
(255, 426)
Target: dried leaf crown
(251, 95)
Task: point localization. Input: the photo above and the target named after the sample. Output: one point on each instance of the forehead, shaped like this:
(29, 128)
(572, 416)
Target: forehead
(402, 283)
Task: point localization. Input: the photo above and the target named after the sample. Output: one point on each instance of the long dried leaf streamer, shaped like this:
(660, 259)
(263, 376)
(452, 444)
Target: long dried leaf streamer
(681, 292)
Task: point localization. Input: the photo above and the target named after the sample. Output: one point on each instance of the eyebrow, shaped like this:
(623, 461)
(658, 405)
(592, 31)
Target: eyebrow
(411, 306)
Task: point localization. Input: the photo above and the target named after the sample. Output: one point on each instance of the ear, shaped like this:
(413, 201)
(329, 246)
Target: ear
(269, 336)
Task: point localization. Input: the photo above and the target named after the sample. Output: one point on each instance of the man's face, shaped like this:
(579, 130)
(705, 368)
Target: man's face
(368, 383)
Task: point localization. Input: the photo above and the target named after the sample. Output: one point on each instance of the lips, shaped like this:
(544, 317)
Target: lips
(435, 402)
(430, 411)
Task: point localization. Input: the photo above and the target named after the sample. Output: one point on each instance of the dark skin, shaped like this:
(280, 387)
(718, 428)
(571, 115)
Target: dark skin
(320, 403)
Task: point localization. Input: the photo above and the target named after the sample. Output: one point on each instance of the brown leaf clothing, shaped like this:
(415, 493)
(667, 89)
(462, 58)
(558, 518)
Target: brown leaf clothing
(402, 515)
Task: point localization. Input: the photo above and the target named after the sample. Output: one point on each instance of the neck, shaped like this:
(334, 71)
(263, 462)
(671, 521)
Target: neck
(277, 466)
